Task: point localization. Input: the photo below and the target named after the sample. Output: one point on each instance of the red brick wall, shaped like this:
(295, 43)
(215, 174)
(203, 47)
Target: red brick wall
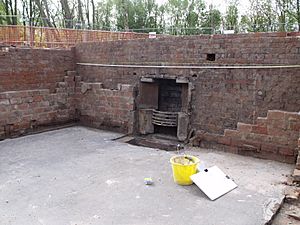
(259, 48)
(296, 173)
(298, 159)
(273, 137)
(221, 97)
(26, 69)
(36, 89)
(105, 108)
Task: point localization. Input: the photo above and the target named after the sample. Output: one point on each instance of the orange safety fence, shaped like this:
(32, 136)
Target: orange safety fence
(47, 37)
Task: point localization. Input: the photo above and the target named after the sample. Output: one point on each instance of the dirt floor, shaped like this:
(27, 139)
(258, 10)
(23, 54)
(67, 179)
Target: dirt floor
(80, 176)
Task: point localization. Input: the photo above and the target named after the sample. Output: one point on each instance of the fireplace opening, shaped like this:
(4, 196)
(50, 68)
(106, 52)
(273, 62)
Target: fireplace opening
(163, 107)
(169, 96)
(169, 104)
(172, 131)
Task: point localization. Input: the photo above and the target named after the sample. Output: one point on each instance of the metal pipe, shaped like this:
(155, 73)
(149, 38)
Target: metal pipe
(191, 67)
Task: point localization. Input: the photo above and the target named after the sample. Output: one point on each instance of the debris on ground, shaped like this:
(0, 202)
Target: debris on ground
(148, 181)
(289, 213)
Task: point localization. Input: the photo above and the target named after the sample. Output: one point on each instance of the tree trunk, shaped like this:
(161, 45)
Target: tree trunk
(125, 11)
(298, 14)
(30, 13)
(80, 13)
(67, 15)
(25, 9)
(16, 13)
(11, 12)
(49, 16)
(8, 19)
(45, 20)
(94, 13)
(87, 11)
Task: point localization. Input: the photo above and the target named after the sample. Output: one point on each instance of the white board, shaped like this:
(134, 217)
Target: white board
(213, 182)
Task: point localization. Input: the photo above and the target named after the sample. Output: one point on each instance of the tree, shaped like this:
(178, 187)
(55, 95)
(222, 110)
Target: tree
(177, 10)
(140, 15)
(185, 16)
(93, 13)
(80, 12)
(87, 13)
(262, 16)
(298, 14)
(212, 20)
(151, 15)
(161, 19)
(44, 12)
(67, 13)
(2, 12)
(287, 13)
(10, 9)
(232, 15)
(104, 15)
(245, 24)
(124, 8)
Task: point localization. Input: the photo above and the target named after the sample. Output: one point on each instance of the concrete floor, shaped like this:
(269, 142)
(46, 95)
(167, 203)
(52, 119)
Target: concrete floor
(79, 176)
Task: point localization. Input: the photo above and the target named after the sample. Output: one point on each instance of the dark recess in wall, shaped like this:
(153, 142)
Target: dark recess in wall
(211, 57)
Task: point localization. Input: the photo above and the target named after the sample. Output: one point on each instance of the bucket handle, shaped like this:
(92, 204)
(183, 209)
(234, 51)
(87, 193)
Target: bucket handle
(179, 148)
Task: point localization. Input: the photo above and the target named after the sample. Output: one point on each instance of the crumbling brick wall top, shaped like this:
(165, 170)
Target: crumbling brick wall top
(273, 137)
(262, 48)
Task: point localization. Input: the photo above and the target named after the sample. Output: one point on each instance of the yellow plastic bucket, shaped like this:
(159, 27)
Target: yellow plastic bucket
(183, 167)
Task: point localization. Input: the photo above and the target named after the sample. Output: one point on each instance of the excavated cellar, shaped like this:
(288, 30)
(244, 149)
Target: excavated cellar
(235, 93)
(245, 100)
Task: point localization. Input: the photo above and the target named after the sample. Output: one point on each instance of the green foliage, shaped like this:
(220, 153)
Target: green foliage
(262, 16)
(136, 14)
(2, 12)
(178, 17)
(286, 12)
(185, 16)
(104, 15)
(232, 15)
(211, 21)
(245, 24)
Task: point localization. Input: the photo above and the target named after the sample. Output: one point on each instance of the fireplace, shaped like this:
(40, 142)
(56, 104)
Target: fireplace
(163, 107)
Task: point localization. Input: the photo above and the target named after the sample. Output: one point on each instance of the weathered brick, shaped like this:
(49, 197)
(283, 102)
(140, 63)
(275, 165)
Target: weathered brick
(261, 121)
(276, 115)
(224, 140)
(27, 89)
(298, 162)
(287, 151)
(294, 124)
(4, 102)
(269, 148)
(219, 99)
(296, 175)
(259, 129)
(231, 133)
(243, 127)
(277, 132)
